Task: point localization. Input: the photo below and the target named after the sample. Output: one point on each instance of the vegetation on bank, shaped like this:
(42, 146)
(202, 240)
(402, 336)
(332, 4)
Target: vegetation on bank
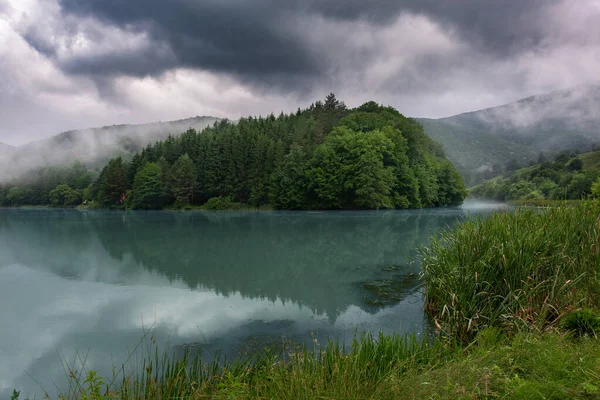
(60, 186)
(323, 157)
(525, 366)
(567, 177)
(514, 270)
(515, 297)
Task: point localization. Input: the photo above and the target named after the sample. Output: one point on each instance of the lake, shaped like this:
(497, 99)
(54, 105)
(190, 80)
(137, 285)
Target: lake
(89, 284)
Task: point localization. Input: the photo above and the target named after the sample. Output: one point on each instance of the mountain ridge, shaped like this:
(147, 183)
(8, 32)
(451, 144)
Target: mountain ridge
(486, 140)
(92, 146)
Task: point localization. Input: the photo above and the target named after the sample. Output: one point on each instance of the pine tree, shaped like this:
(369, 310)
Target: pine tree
(113, 183)
(183, 180)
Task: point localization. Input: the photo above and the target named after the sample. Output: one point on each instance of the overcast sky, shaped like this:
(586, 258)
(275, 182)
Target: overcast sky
(68, 64)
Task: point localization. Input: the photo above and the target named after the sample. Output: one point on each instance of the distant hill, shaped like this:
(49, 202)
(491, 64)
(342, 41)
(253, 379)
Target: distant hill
(473, 151)
(567, 177)
(553, 122)
(92, 146)
(591, 161)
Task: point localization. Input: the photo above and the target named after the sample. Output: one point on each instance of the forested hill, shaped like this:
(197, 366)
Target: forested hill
(92, 147)
(323, 157)
(482, 143)
(567, 177)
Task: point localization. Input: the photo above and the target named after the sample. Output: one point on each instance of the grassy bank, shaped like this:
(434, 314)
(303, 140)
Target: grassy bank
(525, 366)
(512, 294)
(518, 270)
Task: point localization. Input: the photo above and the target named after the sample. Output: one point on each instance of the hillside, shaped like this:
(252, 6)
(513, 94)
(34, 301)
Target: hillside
(591, 161)
(324, 157)
(567, 177)
(474, 152)
(92, 146)
(489, 139)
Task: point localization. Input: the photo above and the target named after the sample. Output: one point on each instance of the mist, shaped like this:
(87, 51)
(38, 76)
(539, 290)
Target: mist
(92, 147)
(574, 109)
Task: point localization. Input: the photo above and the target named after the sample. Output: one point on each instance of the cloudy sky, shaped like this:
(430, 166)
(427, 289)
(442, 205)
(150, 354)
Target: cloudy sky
(68, 64)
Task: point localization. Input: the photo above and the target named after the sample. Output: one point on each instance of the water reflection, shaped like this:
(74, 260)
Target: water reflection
(92, 281)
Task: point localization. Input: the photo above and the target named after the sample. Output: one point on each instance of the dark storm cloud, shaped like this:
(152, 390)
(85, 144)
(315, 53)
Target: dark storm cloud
(499, 26)
(246, 39)
(252, 40)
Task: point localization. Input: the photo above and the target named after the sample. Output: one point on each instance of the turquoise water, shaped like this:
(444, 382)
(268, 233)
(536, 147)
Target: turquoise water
(91, 283)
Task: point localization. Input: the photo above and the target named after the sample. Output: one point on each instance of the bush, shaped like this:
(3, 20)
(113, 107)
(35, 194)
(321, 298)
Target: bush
(219, 204)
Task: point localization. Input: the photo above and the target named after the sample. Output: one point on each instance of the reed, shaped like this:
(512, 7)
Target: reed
(516, 270)
(332, 370)
(527, 365)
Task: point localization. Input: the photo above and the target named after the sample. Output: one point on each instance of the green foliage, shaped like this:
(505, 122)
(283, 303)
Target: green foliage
(582, 322)
(563, 179)
(112, 183)
(289, 189)
(513, 269)
(596, 189)
(35, 186)
(575, 165)
(580, 185)
(218, 204)
(182, 180)
(92, 387)
(591, 161)
(451, 187)
(64, 196)
(18, 196)
(348, 171)
(324, 157)
(527, 366)
(148, 188)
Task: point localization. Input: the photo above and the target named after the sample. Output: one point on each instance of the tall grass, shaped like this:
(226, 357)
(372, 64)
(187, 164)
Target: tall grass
(514, 270)
(526, 366)
(331, 371)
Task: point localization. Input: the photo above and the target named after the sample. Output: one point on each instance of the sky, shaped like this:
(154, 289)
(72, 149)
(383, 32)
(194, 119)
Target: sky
(73, 64)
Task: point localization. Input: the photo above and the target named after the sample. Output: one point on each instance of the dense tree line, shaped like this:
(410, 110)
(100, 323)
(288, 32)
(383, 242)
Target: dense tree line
(563, 178)
(61, 186)
(324, 157)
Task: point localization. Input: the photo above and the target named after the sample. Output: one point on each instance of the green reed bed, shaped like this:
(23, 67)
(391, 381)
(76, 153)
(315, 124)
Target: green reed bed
(514, 270)
(526, 365)
(366, 368)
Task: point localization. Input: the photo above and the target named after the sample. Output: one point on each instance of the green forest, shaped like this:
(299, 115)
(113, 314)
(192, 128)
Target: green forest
(324, 157)
(566, 177)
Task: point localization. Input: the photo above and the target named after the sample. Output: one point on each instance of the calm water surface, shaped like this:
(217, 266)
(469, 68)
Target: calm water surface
(90, 283)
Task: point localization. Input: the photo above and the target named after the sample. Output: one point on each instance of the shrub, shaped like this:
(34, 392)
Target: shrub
(219, 204)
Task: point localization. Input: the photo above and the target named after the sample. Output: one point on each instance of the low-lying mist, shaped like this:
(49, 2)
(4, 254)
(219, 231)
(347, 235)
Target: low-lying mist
(92, 147)
(551, 116)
